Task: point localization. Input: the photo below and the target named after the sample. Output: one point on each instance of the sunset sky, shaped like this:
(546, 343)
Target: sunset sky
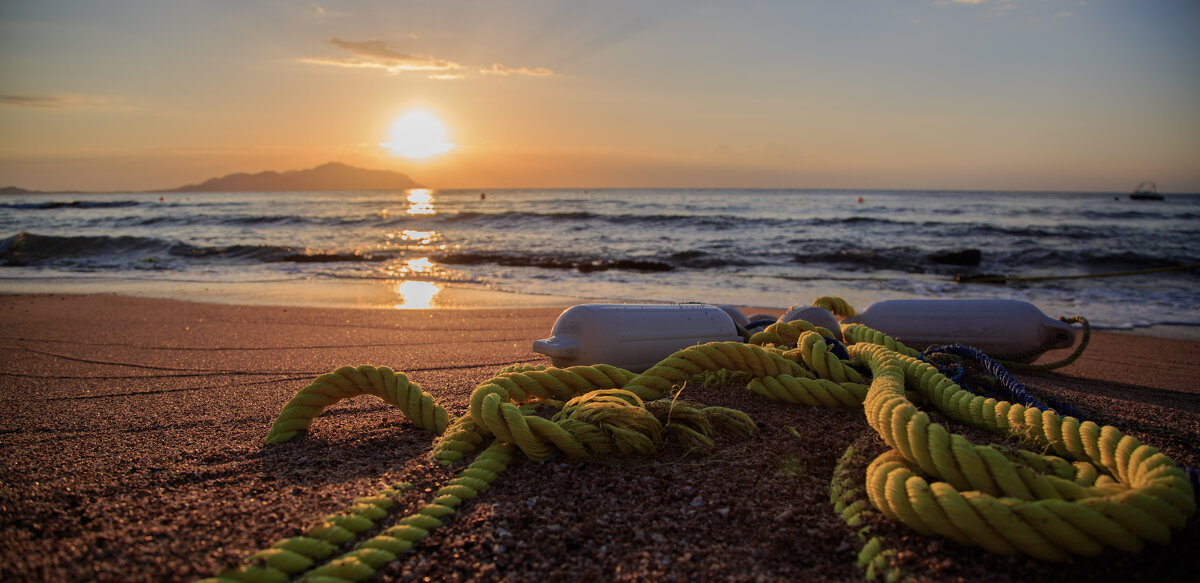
(907, 94)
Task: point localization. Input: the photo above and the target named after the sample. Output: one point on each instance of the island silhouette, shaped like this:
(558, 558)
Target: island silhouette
(328, 176)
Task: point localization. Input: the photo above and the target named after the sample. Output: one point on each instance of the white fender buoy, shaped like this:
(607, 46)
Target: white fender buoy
(993, 326)
(632, 336)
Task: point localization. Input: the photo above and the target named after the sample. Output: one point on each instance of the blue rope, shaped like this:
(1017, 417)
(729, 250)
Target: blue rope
(839, 349)
(1193, 477)
(960, 376)
(1010, 385)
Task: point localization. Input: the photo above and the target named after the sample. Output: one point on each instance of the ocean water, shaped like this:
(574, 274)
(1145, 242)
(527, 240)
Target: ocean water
(769, 248)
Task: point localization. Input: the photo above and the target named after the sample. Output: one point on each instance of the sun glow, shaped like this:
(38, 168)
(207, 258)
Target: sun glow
(418, 134)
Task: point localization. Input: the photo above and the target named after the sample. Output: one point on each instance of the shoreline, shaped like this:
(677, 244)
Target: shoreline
(369, 295)
(387, 295)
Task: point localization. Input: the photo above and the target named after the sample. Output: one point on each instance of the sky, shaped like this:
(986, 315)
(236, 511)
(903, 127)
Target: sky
(1088, 95)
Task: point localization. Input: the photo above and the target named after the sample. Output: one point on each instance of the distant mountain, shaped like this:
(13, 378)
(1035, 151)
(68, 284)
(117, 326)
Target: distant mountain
(16, 190)
(331, 176)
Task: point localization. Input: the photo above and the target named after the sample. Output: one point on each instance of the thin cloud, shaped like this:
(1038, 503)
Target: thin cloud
(375, 54)
(997, 8)
(389, 67)
(498, 69)
(60, 102)
(374, 49)
(32, 101)
(316, 10)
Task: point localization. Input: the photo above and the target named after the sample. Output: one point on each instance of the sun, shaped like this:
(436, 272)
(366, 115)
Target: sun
(418, 134)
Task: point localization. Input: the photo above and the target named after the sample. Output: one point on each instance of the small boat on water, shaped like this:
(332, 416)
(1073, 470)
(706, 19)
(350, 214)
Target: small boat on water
(1146, 191)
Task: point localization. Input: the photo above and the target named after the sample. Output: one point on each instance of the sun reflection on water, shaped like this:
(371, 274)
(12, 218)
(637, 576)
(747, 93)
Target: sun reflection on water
(420, 202)
(421, 237)
(418, 265)
(416, 295)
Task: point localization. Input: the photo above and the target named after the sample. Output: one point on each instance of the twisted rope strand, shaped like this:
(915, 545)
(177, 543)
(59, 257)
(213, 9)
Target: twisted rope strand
(850, 503)
(859, 333)
(347, 382)
(785, 333)
(372, 554)
(989, 497)
(735, 356)
(840, 308)
(292, 556)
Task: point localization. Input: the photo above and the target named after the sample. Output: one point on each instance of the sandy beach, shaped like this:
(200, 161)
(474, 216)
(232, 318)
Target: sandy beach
(132, 448)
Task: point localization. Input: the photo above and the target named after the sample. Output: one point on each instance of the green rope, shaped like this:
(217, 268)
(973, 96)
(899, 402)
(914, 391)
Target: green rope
(850, 503)
(1093, 488)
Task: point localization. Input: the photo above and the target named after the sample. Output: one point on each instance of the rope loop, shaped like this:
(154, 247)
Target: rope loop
(347, 382)
(935, 481)
(839, 307)
(820, 356)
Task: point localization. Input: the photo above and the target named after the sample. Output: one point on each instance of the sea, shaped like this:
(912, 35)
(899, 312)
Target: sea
(1060, 251)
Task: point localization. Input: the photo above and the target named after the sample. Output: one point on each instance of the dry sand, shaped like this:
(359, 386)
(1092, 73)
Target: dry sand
(132, 449)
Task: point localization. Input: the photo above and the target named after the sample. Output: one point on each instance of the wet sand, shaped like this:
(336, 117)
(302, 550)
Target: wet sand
(132, 449)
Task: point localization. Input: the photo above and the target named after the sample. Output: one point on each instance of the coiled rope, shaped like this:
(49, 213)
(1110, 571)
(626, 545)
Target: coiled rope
(1009, 502)
(1017, 391)
(1094, 488)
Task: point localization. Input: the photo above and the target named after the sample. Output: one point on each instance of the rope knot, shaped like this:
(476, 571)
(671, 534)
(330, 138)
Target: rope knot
(611, 419)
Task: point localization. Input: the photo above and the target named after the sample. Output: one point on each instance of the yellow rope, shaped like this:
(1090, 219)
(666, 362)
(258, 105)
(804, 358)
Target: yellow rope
(295, 556)
(552, 384)
(371, 555)
(735, 356)
(1091, 489)
(292, 556)
(1005, 503)
(840, 308)
(785, 333)
(347, 382)
(810, 392)
(815, 352)
(850, 502)
(860, 334)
